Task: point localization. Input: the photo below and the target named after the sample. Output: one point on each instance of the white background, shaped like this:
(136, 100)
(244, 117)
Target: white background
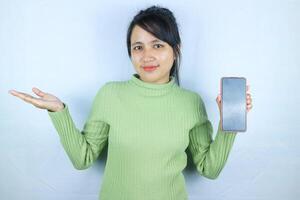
(71, 48)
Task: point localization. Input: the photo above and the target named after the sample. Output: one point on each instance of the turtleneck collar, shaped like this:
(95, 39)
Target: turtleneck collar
(151, 89)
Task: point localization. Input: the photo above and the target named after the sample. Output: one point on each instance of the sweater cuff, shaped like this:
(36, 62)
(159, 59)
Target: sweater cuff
(225, 132)
(61, 118)
(229, 135)
(54, 114)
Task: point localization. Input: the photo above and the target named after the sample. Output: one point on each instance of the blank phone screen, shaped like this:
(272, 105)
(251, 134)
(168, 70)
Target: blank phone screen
(233, 92)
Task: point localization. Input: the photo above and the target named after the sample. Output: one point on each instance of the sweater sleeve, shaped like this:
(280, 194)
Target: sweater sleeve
(209, 155)
(82, 147)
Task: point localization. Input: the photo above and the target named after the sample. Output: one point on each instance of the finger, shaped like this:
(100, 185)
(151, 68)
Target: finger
(248, 89)
(248, 96)
(38, 92)
(249, 100)
(218, 98)
(26, 97)
(13, 92)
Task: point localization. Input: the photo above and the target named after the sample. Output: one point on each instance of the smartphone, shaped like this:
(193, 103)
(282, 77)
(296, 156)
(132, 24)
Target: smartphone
(233, 106)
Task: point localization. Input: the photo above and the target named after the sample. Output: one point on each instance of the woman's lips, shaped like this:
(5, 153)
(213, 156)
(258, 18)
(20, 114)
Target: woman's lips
(150, 68)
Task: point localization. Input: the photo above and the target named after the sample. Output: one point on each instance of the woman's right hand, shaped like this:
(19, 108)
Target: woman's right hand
(47, 101)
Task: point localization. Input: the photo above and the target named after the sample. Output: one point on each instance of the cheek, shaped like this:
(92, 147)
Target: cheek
(135, 58)
(166, 57)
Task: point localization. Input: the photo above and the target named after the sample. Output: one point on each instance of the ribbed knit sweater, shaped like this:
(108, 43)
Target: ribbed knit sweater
(147, 127)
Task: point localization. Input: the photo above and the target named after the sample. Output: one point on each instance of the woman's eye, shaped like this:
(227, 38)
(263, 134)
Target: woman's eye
(137, 48)
(158, 45)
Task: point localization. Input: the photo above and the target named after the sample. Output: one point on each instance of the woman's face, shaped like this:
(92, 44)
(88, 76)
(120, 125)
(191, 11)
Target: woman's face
(152, 58)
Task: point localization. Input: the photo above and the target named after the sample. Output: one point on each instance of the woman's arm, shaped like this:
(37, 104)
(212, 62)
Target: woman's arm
(209, 155)
(83, 147)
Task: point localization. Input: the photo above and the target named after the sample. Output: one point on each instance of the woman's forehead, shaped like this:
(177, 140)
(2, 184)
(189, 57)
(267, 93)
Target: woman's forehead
(140, 35)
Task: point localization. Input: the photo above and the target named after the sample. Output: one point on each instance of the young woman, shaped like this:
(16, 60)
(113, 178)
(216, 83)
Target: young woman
(147, 121)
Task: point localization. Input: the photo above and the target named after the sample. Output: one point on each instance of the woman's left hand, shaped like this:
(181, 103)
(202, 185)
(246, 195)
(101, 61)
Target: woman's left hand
(248, 101)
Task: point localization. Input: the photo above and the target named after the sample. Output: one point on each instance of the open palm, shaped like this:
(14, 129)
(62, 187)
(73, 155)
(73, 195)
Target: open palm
(46, 100)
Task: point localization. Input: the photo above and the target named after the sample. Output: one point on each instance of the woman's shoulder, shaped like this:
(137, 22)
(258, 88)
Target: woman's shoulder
(189, 98)
(111, 85)
(189, 93)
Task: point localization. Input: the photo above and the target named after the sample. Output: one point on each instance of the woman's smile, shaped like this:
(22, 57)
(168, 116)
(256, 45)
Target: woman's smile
(150, 68)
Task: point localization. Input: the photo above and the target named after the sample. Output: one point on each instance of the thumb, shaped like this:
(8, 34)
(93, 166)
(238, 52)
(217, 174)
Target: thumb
(218, 99)
(38, 92)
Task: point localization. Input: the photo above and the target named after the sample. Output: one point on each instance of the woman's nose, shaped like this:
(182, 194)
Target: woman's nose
(148, 56)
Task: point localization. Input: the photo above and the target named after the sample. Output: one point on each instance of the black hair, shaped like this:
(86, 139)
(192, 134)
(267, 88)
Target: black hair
(161, 23)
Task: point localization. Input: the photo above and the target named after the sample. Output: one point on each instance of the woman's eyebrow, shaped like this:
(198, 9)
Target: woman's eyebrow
(138, 42)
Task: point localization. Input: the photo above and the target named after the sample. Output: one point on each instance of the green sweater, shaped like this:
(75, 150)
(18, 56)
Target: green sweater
(147, 128)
